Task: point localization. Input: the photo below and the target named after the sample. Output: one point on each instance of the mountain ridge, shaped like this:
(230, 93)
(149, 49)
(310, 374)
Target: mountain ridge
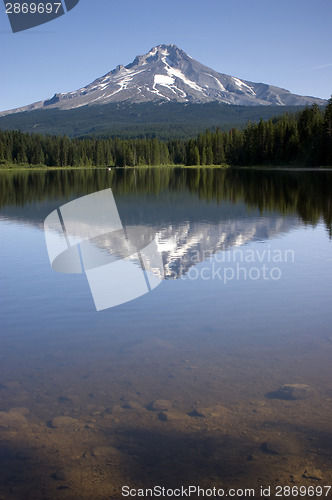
(167, 74)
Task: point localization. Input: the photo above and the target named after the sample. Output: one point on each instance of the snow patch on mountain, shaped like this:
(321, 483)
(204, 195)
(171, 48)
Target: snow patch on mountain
(239, 83)
(219, 84)
(163, 80)
(178, 74)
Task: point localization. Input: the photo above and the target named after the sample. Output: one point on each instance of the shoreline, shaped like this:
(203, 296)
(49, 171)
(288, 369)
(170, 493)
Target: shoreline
(12, 167)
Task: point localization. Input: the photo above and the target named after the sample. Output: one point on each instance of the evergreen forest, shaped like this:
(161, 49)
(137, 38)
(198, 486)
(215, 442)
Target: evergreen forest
(304, 138)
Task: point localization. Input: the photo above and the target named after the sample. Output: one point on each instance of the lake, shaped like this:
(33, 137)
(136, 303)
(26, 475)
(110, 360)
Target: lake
(208, 366)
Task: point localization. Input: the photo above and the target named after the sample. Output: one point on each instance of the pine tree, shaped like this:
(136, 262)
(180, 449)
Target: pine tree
(327, 135)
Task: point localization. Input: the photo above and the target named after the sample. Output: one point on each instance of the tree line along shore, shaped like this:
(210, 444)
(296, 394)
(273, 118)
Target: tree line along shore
(303, 138)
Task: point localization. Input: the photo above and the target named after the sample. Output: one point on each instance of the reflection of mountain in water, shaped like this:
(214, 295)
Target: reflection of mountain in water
(182, 237)
(186, 230)
(185, 245)
(190, 214)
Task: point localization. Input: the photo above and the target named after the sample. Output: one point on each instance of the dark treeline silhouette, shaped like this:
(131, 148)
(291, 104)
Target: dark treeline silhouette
(307, 194)
(304, 138)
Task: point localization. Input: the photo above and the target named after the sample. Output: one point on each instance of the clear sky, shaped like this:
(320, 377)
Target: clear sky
(287, 43)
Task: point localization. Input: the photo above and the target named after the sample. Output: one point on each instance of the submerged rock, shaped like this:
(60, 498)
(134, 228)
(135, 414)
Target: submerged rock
(160, 405)
(291, 392)
(313, 474)
(281, 446)
(162, 416)
(61, 474)
(133, 405)
(196, 414)
(13, 418)
(60, 422)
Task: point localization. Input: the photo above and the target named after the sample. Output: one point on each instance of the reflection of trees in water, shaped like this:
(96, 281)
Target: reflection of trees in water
(306, 193)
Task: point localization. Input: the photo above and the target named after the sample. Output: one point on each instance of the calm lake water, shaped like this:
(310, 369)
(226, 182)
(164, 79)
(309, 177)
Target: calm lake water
(221, 376)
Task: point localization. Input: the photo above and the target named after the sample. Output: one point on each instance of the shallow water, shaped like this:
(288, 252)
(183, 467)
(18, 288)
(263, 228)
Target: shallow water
(219, 377)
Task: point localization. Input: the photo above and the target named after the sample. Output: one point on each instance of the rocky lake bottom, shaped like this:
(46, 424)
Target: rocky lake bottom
(166, 417)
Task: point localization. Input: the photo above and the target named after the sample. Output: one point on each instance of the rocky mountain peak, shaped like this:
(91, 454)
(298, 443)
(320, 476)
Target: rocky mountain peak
(167, 73)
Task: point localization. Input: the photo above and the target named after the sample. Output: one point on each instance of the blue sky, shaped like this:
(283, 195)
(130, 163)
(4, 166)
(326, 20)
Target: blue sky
(284, 43)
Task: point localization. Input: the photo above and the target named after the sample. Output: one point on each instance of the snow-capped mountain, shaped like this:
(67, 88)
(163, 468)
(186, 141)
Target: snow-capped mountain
(167, 73)
(182, 244)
